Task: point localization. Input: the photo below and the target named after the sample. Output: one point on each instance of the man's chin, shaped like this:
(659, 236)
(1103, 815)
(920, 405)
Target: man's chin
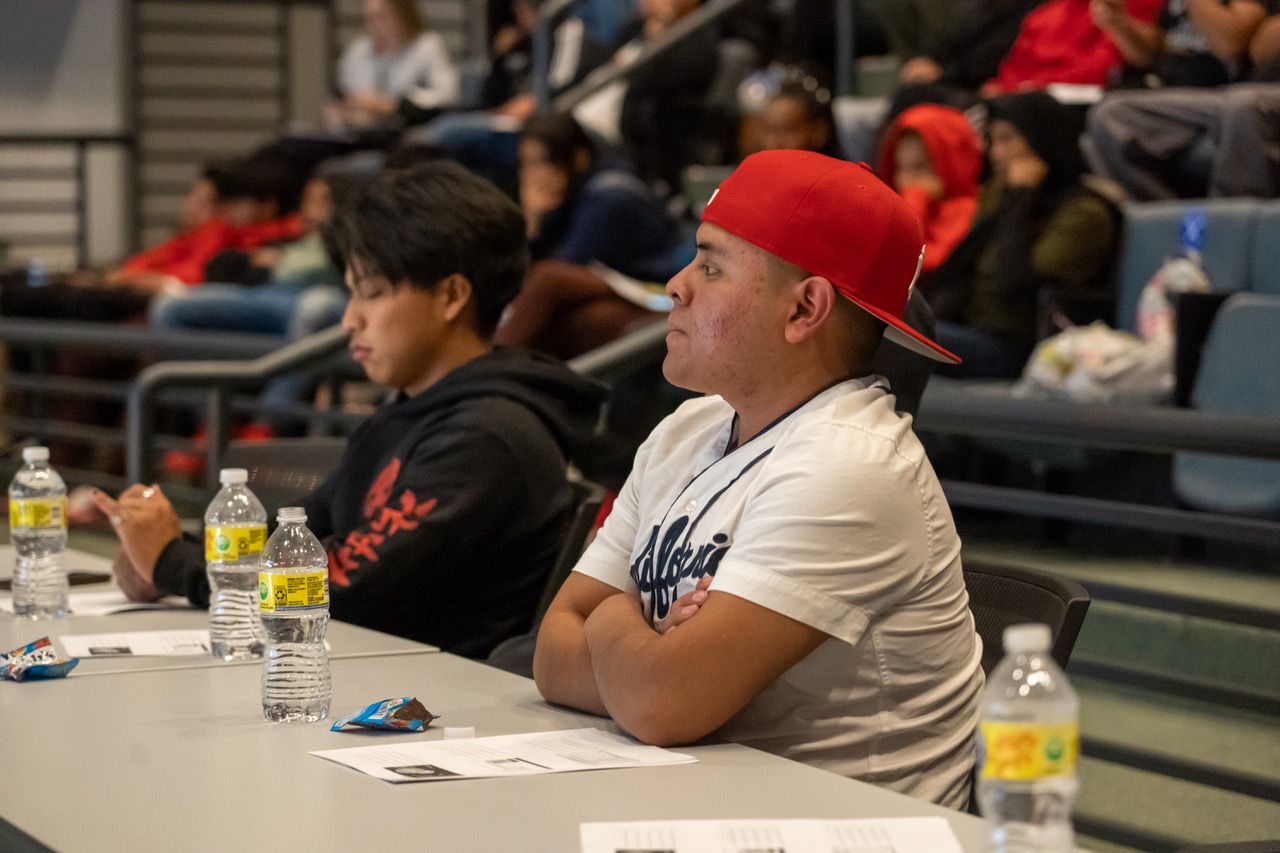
(674, 373)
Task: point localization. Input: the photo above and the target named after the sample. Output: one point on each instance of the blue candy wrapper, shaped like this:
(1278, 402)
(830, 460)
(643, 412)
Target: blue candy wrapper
(397, 715)
(36, 659)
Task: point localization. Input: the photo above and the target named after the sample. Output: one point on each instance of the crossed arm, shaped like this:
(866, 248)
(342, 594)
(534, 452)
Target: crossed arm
(596, 651)
(1227, 27)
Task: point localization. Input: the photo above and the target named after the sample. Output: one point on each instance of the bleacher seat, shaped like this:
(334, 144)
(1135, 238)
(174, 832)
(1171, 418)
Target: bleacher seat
(1238, 376)
(1264, 274)
(1151, 233)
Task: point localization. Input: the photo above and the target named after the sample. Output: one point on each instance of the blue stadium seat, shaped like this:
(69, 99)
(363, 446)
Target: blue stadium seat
(1237, 375)
(1265, 266)
(1151, 235)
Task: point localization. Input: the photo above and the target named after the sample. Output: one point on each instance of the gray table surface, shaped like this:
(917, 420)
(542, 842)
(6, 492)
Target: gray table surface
(182, 760)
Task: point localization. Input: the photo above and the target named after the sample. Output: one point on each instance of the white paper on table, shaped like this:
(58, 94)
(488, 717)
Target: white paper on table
(106, 603)
(875, 835)
(137, 644)
(112, 601)
(536, 753)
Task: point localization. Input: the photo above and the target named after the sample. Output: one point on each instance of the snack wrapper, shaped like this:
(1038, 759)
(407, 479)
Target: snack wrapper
(397, 715)
(36, 659)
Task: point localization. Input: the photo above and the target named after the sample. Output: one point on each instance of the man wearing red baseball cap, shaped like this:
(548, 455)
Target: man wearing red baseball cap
(781, 567)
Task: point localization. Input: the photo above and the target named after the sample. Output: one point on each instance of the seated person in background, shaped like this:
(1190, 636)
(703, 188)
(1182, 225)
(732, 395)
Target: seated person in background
(781, 568)
(446, 512)
(930, 155)
(397, 66)
(797, 116)
(1059, 42)
(580, 207)
(1038, 225)
(1143, 139)
(230, 206)
(292, 270)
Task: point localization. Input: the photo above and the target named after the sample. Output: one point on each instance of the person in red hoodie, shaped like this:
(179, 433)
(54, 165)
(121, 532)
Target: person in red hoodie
(1060, 43)
(230, 206)
(930, 155)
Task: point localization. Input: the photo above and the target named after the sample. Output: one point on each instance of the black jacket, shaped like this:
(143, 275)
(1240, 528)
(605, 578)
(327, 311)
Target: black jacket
(444, 517)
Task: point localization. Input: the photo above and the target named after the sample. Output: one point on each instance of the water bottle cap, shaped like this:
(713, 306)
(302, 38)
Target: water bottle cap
(1027, 639)
(291, 515)
(35, 454)
(233, 476)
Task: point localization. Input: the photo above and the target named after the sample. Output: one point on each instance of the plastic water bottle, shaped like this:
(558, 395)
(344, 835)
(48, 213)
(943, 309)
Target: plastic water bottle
(293, 595)
(38, 528)
(1027, 746)
(235, 529)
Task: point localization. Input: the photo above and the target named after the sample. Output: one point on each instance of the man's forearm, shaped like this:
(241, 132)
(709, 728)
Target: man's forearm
(1140, 44)
(562, 666)
(621, 648)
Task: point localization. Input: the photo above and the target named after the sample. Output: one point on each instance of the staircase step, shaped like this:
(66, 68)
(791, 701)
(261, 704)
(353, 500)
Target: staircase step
(1181, 731)
(1157, 812)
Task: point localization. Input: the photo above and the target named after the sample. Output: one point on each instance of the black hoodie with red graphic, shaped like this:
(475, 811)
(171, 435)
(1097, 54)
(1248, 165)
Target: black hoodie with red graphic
(444, 517)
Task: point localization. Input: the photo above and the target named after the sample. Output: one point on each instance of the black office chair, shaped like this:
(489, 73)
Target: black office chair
(1000, 596)
(908, 372)
(515, 654)
(284, 471)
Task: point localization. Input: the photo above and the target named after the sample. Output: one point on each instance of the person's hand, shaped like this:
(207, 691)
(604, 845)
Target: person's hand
(519, 108)
(145, 523)
(505, 39)
(1107, 14)
(685, 607)
(922, 69)
(131, 581)
(266, 256)
(1026, 170)
(990, 89)
(372, 103)
(929, 184)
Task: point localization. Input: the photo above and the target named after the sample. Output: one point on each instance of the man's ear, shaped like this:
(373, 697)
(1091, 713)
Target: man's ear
(453, 293)
(813, 301)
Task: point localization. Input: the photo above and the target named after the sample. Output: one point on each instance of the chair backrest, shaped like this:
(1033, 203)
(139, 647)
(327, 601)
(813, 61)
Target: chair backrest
(283, 471)
(1237, 375)
(1151, 233)
(588, 499)
(908, 372)
(1264, 272)
(1000, 596)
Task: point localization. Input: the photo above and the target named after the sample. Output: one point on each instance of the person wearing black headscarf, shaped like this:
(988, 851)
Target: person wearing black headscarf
(1038, 228)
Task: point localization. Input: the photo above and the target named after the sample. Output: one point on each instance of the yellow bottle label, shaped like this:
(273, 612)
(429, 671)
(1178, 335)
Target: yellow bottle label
(44, 513)
(278, 592)
(1026, 751)
(227, 544)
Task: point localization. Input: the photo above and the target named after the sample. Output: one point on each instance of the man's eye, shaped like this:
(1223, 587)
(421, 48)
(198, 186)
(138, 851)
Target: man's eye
(709, 270)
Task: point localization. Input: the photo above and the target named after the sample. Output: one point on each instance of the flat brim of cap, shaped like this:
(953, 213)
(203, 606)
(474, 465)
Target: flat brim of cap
(898, 332)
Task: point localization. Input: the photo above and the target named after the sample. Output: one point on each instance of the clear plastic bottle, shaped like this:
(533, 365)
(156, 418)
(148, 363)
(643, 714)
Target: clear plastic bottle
(293, 594)
(1027, 747)
(235, 530)
(38, 529)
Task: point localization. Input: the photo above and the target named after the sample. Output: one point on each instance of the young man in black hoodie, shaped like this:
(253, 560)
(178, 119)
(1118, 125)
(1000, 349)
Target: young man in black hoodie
(446, 512)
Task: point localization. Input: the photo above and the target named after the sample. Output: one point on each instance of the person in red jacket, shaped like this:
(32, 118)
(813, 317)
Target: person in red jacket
(230, 206)
(930, 155)
(1060, 43)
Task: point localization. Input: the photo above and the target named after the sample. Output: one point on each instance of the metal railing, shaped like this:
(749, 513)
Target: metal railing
(216, 379)
(956, 408)
(80, 145)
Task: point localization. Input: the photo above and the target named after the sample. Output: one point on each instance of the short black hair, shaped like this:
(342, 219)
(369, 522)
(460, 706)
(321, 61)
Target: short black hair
(562, 136)
(421, 225)
(256, 178)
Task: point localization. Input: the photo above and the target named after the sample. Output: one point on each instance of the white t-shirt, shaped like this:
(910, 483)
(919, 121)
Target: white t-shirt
(421, 71)
(833, 517)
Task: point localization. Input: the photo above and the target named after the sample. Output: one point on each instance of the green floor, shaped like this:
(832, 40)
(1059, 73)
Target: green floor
(1170, 812)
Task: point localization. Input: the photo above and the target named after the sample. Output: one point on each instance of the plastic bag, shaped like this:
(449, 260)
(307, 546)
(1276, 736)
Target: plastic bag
(1096, 363)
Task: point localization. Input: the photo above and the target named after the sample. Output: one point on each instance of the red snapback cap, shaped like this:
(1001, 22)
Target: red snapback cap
(835, 219)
